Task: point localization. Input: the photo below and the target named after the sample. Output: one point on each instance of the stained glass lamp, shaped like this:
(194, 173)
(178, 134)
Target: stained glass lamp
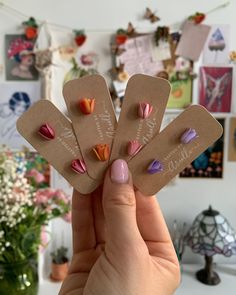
(211, 234)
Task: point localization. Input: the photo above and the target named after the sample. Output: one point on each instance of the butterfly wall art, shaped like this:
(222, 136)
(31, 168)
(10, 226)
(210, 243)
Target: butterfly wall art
(215, 88)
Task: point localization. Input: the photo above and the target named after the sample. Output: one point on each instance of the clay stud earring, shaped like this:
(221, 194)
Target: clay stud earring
(46, 131)
(133, 147)
(102, 152)
(144, 110)
(78, 166)
(188, 136)
(87, 105)
(155, 167)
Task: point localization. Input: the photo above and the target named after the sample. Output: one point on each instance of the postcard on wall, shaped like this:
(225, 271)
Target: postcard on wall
(162, 51)
(232, 140)
(192, 40)
(210, 163)
(137, 57)
(216, 50)
(16, 98)
(19, 59)
(215, 88)
(181, 94)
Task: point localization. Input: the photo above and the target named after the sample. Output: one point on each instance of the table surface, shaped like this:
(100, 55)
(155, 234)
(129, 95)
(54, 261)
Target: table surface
(189, 284)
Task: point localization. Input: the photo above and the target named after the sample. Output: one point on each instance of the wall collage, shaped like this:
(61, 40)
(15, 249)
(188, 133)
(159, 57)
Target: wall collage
(34, 64)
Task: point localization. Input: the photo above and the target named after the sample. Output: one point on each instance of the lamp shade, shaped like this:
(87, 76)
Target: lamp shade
(211, 234)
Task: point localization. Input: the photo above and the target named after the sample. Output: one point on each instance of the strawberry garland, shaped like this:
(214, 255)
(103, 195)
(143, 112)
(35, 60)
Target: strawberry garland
(31, 28)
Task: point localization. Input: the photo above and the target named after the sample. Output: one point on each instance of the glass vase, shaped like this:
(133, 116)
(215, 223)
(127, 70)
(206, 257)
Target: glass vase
(19, 278)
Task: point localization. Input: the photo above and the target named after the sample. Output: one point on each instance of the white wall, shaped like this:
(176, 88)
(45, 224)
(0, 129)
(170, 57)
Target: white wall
(184, 200)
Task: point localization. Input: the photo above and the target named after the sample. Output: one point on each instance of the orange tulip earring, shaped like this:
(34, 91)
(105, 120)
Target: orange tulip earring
(86, 105)
(102, 152)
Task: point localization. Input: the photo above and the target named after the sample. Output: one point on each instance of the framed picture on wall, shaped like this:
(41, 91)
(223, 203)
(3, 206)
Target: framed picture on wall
(215, 88)
(19, 59)
(210, 163)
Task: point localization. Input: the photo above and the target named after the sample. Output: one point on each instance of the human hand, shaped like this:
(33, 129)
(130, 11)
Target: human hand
(121, 242)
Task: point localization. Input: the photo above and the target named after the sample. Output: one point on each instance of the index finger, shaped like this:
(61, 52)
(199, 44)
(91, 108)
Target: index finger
(152, 226)
(83, 230)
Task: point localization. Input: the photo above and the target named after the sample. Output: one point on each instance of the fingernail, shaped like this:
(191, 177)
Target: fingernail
(119, 172)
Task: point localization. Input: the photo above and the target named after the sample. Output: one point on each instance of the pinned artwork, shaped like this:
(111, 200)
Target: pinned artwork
(210, 163)
(83, 157)
(215, 88)
(181, 77)
(139, 49)
(192, 40)
(232, 140)
(20, 58)
(16, 98)
(216, 50)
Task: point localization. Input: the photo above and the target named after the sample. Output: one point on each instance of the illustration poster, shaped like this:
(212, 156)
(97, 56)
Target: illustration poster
(16, 98)
(210, 163)
(215, 88)
(20, 59)
(216, 50)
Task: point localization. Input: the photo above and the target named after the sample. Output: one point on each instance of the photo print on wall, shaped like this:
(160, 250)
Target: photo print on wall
(215, 88)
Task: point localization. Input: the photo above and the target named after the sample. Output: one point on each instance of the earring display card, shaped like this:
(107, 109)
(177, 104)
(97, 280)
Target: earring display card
(150, 92)
(232, 140)
(168, 150)
(96, 128)
(61, 150)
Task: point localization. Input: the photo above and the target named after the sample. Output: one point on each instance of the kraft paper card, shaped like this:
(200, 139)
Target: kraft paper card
(60, 151)
(192, 40)
(168, 149)
(134, 132)
(95, 128)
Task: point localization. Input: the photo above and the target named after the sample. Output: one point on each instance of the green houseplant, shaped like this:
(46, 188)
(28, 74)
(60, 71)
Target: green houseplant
(59, 264)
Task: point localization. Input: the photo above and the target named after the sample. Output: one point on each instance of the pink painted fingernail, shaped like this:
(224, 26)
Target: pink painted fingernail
(119, 172)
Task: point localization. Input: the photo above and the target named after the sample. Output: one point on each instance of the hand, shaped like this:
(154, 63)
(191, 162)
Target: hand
(121, 242)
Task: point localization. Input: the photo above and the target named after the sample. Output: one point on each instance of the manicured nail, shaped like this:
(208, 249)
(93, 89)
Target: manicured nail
(87, 105)
(144, 110)
(46, 131)
(188, 136)
(155, 167)
(119, 172)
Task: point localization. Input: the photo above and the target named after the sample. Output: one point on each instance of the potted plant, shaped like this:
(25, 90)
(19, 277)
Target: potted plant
(59, 264)
(27, 204)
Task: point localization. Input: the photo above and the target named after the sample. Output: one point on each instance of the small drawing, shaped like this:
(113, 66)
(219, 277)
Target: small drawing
(18, 103)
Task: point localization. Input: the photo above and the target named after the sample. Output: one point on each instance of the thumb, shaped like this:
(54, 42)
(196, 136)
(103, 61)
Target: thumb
(119, 205)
